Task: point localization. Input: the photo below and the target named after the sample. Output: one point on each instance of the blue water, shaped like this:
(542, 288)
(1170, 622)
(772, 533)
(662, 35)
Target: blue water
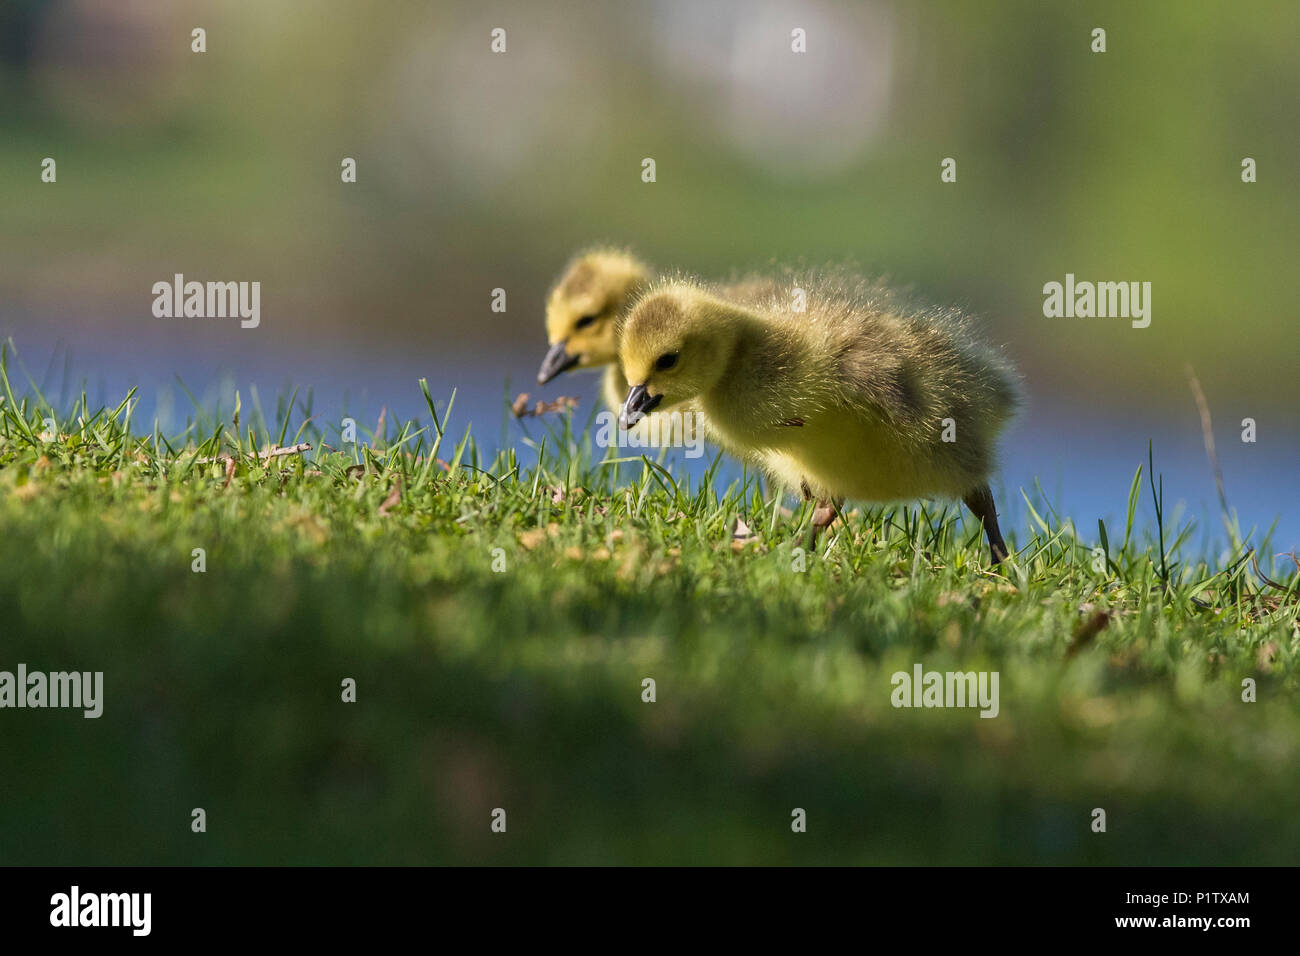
(1084, 460)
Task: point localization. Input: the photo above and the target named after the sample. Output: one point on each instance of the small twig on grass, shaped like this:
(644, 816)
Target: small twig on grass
(393, 498)
(521, 409)
(260, 455)
(1264, 577)
(1207, 435)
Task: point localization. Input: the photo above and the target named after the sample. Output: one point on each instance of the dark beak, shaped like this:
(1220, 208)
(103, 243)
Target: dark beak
(557, 360)
(639, 404)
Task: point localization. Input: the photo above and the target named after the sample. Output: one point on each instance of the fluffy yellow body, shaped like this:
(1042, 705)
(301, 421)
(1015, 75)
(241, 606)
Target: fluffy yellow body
(859, 396)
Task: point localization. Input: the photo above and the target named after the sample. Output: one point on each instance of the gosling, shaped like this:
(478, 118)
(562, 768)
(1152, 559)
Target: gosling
(582, 314)
(591, 298)
(860, 396)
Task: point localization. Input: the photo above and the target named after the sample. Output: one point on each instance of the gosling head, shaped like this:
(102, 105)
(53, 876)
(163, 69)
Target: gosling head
(674, 346)
(583, 310)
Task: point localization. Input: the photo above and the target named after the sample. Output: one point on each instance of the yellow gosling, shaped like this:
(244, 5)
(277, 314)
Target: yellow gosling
(859, 396)
(582, 312)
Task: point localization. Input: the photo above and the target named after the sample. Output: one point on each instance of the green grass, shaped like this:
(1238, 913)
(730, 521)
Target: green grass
(521, 688)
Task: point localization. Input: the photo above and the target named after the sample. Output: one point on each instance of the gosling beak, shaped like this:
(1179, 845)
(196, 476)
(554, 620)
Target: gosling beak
(557, 360)
(639, 404)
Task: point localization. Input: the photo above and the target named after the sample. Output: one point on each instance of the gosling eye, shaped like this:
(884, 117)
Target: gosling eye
(585, 321)
(666, 361)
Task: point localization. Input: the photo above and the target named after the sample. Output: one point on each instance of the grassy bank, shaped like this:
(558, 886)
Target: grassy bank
(500, 614)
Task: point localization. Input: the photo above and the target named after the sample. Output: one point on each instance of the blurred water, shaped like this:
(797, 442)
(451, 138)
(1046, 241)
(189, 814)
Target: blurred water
(1082, 458)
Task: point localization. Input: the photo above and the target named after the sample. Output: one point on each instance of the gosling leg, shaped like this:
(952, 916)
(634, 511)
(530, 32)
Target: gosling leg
(980, 502)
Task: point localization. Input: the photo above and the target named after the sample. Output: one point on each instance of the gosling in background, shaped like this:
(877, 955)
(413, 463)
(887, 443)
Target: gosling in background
(582, 313)
(585, 306)
(849, 399)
